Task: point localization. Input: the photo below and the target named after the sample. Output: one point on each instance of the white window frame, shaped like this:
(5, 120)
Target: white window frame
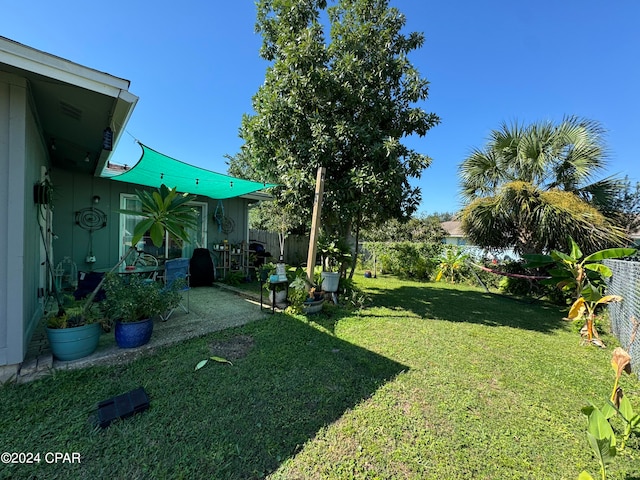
(124, 247)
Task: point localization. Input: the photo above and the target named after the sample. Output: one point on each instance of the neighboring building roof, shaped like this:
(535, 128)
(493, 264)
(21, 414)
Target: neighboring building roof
(453, 228)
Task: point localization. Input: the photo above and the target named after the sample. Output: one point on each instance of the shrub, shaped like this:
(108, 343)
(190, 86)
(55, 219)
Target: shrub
(415, 260)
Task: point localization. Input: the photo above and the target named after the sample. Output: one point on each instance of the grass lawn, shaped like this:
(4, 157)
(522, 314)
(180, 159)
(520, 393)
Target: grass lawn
(432, 382)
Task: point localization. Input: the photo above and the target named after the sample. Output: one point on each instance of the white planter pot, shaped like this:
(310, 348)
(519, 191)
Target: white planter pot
(281, 296)
(330, 281)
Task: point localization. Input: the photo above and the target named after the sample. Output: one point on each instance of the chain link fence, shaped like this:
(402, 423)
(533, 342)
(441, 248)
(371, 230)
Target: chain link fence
(625, 315)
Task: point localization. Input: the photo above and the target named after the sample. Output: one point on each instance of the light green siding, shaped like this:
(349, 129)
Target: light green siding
(22, 158)
(76, 191)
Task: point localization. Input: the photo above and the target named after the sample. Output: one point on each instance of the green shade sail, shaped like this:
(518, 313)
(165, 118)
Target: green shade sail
(154, 169)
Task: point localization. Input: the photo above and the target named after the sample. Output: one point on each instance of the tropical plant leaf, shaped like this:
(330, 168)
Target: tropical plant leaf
(577, 309)
(559, 273)
(591, 293)
(602, 449)
(202, 363)
(563, 257)
(610, 253)
(608, 299)
(140, 229)
(600, 428)
(575, 249)
(626, 410)
(160, 202)
(565, 284)
(156, 232)
(220, 360)
(584, 475)
(536, 260)
(599, 268)
(609, 410)
(620, 360)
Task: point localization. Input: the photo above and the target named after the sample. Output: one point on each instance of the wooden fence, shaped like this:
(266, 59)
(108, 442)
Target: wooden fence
(295, 246)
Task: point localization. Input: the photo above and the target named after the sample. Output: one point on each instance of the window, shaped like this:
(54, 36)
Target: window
(197, 236)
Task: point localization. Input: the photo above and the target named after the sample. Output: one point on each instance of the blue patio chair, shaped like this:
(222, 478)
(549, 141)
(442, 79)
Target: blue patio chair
(177, 269)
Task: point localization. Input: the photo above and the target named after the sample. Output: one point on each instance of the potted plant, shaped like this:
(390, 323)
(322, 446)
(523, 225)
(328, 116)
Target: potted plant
(303, 297)
(73, 333)
(133, 303)
(333, 254)
(165, 213)
(314, 301)
(274, 285)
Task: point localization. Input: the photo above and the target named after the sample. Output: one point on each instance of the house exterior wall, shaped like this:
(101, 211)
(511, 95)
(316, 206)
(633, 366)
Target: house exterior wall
(237, 210)
(75, 191)
(22, 158)
(458, 241)
(36, 163)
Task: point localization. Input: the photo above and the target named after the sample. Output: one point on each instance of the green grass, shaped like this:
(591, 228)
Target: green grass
(432, 382)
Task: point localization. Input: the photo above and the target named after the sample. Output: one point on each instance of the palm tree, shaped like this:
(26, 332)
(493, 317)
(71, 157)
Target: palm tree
(531, 187)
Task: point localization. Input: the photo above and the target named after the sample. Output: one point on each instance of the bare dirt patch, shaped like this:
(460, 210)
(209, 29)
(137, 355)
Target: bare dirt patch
(232, 348)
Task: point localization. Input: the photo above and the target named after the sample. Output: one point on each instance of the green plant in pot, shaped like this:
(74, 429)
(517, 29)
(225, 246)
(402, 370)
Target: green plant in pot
(132, 303)
(74, 333)
(334, 253)
(302, 295)
(165, 213)
(280, 286)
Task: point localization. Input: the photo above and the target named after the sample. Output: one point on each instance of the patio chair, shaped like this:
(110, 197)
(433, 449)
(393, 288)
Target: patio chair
(147, 260)
(177, 269)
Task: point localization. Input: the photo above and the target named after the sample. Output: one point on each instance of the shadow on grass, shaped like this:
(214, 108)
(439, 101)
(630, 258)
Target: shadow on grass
(446, 302)
(237, 421)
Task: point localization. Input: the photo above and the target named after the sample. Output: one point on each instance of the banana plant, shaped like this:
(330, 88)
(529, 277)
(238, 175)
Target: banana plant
(621, 362)
(600, 434)
(451, 261)
(602, 440)
(584, 276)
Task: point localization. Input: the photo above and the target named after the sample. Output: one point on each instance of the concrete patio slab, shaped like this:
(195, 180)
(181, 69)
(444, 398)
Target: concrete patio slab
(211, 309)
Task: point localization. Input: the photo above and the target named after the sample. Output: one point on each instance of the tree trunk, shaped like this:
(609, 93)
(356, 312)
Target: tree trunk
(354, 259)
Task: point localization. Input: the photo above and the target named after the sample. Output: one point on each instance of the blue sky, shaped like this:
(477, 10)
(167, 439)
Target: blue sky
(195, 67)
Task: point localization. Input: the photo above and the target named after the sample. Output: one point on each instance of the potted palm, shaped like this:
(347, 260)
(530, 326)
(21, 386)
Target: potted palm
(73, 333)
(133, 303)
(165, 214)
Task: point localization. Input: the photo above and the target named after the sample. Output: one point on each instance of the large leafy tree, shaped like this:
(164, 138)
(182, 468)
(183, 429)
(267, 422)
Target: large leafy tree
(531, 187)
(424, 228)
(345, 105)
(625, 207)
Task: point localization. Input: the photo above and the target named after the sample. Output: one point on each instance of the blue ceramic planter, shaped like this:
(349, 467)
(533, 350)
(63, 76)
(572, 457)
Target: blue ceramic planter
(133, 334)
(73, 343)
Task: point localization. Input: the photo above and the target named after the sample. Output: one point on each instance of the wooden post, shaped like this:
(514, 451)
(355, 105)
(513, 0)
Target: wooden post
(315, 224)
